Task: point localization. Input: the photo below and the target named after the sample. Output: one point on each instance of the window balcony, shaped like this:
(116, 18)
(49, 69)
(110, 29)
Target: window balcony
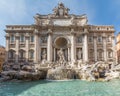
(21, 60)
(11, 60)
(12, 42)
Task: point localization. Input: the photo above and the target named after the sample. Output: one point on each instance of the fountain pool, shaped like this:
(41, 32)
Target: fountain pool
(61, 88)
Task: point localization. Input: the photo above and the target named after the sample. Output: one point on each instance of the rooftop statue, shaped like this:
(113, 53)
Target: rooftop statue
(60, 10)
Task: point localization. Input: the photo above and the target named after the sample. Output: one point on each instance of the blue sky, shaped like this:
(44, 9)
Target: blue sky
(99, 12)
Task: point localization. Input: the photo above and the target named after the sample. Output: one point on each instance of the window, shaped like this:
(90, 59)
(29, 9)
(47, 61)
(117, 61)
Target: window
(11, 54)
(79, 39)
(22, 38)
(79, 53)
(12, 39)
(100, 54)
(21, 54)
(109, 38)
(90, 38)
(32, 39)
(91, 53)
(110, 54)
(31, 54)
(99, 38)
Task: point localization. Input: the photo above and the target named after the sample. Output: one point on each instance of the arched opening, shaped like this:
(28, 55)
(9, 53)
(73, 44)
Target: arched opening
(100, 54)
(110, 53)
(31, 54)
(61, 42)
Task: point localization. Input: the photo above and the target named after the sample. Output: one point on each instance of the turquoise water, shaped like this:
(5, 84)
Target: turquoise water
(62, 88)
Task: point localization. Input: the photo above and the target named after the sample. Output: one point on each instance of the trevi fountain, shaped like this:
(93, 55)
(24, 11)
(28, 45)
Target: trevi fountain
(62, 70)
(62, 76)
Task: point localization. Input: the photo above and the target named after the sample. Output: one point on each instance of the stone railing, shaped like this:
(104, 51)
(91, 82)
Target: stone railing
(101, 28)
(19, 27)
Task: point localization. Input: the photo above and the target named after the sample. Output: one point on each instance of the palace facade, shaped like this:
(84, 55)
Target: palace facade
(78, 40)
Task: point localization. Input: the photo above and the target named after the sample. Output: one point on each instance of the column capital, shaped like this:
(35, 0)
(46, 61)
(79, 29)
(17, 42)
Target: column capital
(49, 31)
(72, 31)
(17, 35)
(85, 31)
(7, 37)
(36, 32)
(27, 35)
(85, 34)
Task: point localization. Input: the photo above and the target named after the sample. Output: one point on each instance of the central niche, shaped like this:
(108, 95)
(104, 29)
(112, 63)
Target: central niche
(61, 42)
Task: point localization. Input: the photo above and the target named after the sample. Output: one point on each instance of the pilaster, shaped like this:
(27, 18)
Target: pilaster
(85, 44)
(73, 46)
(17, 47)
(27, 46)
(105, 48)
(113, 48)
(95, 48)
(7, 47)
(36, 46)
(49, 46)
(54, 54)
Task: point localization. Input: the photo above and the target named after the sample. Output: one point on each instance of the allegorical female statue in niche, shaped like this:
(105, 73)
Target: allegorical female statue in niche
(44, 56)
(61, 56)
(79, 54)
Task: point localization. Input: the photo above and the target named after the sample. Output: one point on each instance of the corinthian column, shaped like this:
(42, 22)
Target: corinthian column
(104, 47)
(27, 46)
(36, 52)
(85, 44)
(73, 47)
(17, 47)
(95, 48)
(113, 48)
(7, 47)
(49, 46)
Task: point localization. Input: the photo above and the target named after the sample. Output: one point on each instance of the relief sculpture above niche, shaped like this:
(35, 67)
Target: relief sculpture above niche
(44, 39)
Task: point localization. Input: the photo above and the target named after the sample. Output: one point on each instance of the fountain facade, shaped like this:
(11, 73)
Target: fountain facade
(56, 45)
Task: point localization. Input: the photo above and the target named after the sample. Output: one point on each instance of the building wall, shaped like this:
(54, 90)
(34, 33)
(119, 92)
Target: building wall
(22, 45)
(118, 47)
(2, 57)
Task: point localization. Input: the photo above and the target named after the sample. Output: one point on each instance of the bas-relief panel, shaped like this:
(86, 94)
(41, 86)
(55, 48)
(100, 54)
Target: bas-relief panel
(62, 33)
(62, 22)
